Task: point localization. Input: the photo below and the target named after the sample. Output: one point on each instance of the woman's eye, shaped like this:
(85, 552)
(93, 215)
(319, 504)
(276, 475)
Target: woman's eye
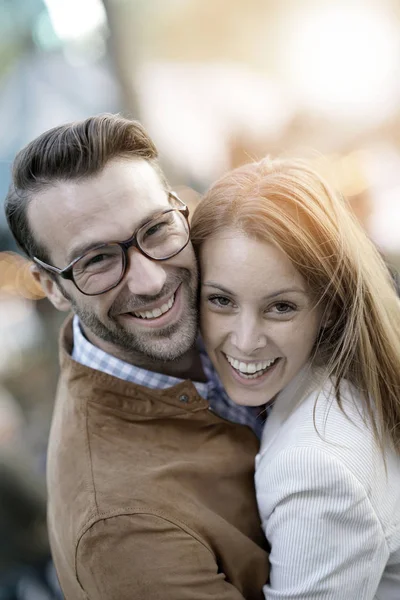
(283, 308)
(220, 301)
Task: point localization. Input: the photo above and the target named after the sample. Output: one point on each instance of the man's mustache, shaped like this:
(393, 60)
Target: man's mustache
(133, 303)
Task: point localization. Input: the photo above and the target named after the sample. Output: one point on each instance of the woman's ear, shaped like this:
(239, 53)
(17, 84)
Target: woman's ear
(50, 288)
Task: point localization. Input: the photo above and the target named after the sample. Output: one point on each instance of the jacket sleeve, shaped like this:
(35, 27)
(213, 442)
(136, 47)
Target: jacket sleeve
(326, 540)
(146, 557)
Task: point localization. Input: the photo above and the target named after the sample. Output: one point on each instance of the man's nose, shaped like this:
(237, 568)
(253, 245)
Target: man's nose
(144, 277)
(247, 336)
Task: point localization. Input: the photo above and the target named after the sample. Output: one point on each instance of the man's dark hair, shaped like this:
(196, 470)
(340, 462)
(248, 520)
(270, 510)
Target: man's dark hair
(70, 152)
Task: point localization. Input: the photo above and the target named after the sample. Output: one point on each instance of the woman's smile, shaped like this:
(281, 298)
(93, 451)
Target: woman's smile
(258, 320)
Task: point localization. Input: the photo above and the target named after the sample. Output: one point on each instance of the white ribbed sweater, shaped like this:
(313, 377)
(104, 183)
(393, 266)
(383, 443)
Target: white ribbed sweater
(329, 509)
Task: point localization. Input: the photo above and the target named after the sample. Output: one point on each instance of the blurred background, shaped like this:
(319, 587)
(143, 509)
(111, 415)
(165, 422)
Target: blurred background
(216, 83)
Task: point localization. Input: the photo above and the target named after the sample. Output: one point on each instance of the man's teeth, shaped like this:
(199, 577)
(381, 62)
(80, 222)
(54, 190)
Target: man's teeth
(156, 312)
(251, 368)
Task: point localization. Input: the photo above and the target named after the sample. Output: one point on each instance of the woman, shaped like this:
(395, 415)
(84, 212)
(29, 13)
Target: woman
(299, 316)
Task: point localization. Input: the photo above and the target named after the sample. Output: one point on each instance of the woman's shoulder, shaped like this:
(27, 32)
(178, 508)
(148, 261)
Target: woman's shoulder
(314, 394)
(343, 432)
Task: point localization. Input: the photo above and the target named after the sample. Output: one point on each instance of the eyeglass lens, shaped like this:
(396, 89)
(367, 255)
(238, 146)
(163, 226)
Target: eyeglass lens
(102, 268)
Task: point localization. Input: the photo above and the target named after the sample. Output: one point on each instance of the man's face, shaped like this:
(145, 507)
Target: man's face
(109, 207)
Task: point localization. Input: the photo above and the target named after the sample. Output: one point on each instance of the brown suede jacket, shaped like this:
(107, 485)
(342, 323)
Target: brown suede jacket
(151, 495)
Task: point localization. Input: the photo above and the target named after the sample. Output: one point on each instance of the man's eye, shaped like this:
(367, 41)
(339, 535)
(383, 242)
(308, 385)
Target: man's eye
(163, 226)
(156, 228)
(96, 259)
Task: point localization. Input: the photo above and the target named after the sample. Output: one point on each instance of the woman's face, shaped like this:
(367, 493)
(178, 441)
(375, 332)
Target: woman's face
(258, 320)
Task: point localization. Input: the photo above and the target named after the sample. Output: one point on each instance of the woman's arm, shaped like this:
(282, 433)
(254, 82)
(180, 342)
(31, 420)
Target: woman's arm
(326, 540)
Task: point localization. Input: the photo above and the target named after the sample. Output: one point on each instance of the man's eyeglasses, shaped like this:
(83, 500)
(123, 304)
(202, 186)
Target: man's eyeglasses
(103, 267)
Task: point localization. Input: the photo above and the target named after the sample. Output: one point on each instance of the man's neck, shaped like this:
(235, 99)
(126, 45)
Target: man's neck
(188, 366)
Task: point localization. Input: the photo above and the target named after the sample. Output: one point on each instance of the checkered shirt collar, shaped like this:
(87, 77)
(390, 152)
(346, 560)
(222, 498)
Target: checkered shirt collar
(85, 353)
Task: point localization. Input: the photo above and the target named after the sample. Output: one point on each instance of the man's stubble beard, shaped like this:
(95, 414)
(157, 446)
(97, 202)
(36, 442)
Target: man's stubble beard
(166, 344)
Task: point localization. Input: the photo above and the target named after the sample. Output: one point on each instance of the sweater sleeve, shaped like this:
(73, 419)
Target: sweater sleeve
(147, 557)
(326, 541)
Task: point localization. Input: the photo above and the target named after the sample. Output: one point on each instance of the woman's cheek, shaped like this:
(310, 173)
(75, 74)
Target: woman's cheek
(212, 326)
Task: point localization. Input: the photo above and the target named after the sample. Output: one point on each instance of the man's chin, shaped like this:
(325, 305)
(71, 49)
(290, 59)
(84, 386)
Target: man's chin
(174, 352)
(168, 344)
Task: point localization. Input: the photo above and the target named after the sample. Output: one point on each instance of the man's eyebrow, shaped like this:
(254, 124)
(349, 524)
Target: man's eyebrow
(81, 249)
(221, 288)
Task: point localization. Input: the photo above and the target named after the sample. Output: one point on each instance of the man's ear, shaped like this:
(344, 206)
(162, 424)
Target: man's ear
(50, 288)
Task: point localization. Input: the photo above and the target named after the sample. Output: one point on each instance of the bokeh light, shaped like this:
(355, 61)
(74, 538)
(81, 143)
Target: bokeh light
(16, 278)
(76, 18)
(342, 59)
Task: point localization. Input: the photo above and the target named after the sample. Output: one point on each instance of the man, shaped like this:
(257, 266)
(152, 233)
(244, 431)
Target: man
(150, 466)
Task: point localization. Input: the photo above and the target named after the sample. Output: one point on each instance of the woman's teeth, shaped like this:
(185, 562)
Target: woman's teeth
(156, 312)
(250, 370)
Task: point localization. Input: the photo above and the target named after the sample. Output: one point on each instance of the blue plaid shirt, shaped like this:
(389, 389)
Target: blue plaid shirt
(87, 354)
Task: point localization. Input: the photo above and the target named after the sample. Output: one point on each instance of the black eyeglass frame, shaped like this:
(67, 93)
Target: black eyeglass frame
(67, 272)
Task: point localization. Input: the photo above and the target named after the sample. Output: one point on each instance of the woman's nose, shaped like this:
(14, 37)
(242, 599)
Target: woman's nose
(247, 336)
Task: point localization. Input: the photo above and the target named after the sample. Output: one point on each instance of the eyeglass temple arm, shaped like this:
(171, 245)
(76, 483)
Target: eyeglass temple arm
(46, 267)
(184, 208)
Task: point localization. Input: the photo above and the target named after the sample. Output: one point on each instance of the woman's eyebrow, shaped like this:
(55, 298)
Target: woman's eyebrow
(279, 292)
(217, 286)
